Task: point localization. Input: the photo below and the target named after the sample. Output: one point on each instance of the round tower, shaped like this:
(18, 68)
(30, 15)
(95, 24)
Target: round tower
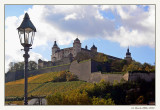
(55, 48)
(94, 48)
(76, 47)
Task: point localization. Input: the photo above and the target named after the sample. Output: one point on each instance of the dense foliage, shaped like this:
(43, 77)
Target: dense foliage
(124, 66)
(32, 65)
(107, 94)
(136, 66)
(77, 97)
(65, 76)
(99, 57)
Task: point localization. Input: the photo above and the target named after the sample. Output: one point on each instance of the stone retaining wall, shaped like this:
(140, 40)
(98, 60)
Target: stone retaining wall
(145, 76)
(97, 76)
(12, 76)
(85, 70)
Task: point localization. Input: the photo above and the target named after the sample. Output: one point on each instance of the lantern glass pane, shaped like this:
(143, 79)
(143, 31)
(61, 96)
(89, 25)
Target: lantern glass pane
(21, 36)
(29, 38)
(26, 36)
(32, 38)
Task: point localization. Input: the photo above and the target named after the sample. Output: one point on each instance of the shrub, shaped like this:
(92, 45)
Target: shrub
(72, 98)
(65, 76)
(102, 101)
(140, 100)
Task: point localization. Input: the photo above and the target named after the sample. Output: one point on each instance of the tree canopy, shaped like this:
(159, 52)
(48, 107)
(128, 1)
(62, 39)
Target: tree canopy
(32, 65)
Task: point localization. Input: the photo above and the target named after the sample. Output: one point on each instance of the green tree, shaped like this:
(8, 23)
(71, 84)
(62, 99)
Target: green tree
(147, 69)
(116, 66)
(124, 68)
(134, 66)
(19, 66)
(102, 101)
(82, 56)
(100, 57)
(11, 66)
(123, 62)
(32, 65)
(153, 69)
(146, 66)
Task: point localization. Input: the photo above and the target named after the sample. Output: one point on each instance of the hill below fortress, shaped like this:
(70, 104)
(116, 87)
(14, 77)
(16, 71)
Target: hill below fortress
(63, 88)
(41, 84)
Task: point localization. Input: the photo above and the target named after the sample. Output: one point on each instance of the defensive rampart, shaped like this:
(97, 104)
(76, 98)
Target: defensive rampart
(81, 69)
(19, 74)
(12, 76)
(97, 76)
(144, 76)
(86, 70)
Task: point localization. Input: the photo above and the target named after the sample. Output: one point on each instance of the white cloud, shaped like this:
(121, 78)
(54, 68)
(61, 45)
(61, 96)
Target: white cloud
(71, 16)
(64, 22)
(137, 25)
(131, 38)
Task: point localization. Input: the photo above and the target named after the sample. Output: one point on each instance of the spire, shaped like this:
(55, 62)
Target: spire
(128, 56)
(128, 53)
(55, 44)
(94, 46)
(128, 50)
(77, 40)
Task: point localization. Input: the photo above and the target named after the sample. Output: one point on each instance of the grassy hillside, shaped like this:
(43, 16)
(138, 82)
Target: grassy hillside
(80, 92)
(42, 85)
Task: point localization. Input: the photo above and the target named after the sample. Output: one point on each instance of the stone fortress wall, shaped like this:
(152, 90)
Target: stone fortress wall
(98, 76)
(12, 76)
(145, 76)
(44, 64)
(85, 70)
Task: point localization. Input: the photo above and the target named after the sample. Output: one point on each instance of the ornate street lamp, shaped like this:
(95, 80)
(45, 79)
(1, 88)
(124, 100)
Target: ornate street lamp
(26, 33)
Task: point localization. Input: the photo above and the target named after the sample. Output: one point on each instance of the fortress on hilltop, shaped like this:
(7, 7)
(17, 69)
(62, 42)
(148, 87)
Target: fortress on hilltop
(87, 70)
(67, 55)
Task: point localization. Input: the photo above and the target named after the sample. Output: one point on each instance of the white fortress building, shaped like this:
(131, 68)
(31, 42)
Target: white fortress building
(58, 54)
(67, 55)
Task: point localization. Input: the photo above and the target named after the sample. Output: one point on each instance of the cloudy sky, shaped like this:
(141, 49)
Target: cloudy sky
(112, 28)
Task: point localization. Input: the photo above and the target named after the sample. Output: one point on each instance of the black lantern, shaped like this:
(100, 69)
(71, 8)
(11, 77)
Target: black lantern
(26, 32)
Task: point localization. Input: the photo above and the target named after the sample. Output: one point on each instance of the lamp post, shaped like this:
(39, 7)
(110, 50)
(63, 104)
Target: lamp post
(26, 33)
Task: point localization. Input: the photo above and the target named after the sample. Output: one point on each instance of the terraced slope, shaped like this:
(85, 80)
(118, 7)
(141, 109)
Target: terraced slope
(42, 85)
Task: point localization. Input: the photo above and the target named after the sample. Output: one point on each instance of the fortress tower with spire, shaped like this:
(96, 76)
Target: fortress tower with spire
(128, 56)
